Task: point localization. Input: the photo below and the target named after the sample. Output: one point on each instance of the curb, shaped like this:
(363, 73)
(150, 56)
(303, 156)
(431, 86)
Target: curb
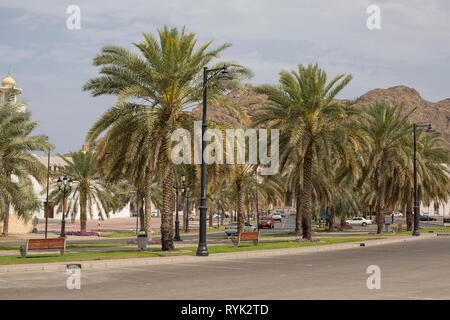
(110, 264)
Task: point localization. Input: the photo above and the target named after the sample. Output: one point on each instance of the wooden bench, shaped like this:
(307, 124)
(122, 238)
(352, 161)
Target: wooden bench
(43, 244)
(245, 236)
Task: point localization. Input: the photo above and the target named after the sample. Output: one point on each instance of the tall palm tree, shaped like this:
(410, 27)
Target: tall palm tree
(433, 174)
(17, 164)
(90, 193)
(312, 124)
(387, 131)
(164, 79)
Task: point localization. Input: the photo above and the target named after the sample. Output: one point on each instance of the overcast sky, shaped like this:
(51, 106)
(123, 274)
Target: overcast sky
(51, 63)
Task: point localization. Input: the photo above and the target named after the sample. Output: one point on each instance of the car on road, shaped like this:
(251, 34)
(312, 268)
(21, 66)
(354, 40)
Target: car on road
(426, 217)
(231, 228)
(359, 221)
(266, 222)
(276, 216)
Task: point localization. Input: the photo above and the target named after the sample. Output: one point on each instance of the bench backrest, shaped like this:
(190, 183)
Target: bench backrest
(54, 243)
(245, 236)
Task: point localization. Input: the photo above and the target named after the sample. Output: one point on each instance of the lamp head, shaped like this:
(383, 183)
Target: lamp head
(224, 75)
(70, 182)
(429, 128)
(59, 182)
(183, 178)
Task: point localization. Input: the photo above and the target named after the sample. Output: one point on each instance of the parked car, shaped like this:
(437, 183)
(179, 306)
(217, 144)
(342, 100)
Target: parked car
(276, 216)
(266, 222)
(359, 221)
(231, 228)
(426, 217)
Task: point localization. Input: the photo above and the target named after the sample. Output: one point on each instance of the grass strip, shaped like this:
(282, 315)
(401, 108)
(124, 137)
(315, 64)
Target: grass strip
(190, 251)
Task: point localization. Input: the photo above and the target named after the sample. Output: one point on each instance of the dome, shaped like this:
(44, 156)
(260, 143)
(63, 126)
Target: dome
(8, 82)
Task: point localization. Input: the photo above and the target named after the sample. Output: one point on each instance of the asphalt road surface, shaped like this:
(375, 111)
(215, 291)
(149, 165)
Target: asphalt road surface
(412, 270)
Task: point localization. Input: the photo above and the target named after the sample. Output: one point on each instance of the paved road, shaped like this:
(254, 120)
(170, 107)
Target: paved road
(412, 270)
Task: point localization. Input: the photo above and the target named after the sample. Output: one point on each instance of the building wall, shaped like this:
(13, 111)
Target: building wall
(17, 225)
(443, 209)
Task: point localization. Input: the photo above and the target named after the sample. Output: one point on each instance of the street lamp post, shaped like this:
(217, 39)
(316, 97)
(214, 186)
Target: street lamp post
(202, 249)
(65, 189)
(177, 221)
(416, 200)
(186, 224)
(46, 201)
(137, 210)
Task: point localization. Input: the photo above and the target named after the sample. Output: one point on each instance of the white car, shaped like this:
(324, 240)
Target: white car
(359, 221)
(232, 228)
(276, 217)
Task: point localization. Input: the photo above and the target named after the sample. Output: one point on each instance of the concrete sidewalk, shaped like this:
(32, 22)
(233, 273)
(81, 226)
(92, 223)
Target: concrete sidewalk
(107, 264)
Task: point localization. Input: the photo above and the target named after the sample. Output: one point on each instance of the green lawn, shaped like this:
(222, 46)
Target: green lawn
(81, 245)
(127, 254)
(84, 256)
(7, 238)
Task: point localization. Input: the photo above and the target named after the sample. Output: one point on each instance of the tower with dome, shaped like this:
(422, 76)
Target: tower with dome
(9, 84)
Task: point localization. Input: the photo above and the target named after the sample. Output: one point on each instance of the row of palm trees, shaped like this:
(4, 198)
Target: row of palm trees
(335, 157)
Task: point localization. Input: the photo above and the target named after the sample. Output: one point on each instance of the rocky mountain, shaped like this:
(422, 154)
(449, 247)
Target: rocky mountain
(436, 113)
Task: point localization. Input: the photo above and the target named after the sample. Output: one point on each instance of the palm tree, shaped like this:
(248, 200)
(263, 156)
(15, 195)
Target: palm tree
(312, 124)
(433, 174)
(89, 192)
(163, 80)
(387, 131)
(17, 164)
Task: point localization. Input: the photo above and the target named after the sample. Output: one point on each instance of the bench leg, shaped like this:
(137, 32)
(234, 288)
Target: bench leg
(23, 252)
(255, 242)
(61, 251)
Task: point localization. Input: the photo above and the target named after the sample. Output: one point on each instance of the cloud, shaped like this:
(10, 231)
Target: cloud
(411, 48)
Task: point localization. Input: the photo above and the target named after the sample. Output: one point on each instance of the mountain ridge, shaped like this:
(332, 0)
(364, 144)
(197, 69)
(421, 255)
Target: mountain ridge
(436, 113)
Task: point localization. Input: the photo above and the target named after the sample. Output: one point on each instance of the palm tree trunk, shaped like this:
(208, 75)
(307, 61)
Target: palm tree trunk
(83, 217)
(298, 214)
(6, 221)
(380, 206)
(142, 218)
(342, 221)
(210, 219)
(167, 214)
(306, 193)
(148, 201)
(409, 216)
(240, 212)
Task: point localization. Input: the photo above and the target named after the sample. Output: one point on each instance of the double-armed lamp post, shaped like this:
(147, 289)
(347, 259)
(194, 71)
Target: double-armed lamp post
(416, 196)
(65, 188)
(208, 74)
